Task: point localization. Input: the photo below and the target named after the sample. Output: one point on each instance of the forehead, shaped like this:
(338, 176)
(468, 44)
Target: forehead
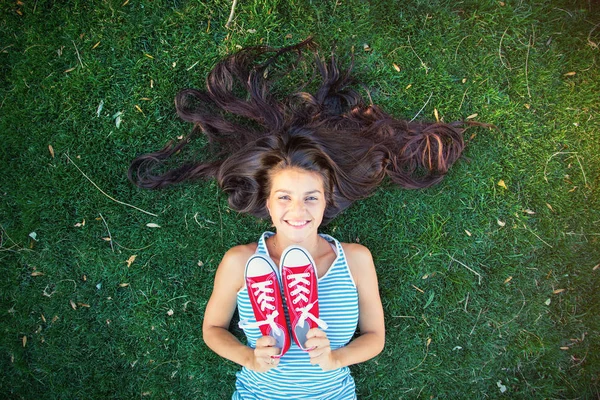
(296, 179)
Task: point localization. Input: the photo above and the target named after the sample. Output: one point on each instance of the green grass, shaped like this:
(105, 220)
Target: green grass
(470, 305)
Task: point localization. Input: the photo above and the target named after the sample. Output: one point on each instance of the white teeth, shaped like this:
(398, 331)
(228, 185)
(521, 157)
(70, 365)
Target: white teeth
(296, 223)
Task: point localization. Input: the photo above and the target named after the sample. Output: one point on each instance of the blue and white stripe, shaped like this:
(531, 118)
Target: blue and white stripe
(295, 377)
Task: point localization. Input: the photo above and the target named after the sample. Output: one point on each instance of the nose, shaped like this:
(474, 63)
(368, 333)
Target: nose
(298, 207)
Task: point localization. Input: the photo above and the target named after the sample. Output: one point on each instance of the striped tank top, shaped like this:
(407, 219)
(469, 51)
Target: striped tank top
(295, 377)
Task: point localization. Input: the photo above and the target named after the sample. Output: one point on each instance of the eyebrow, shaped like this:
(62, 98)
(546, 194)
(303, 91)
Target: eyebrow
(290, 192)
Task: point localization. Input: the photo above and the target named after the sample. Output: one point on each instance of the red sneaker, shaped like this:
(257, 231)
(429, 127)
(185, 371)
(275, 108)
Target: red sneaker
(299, 279)
(265, 296)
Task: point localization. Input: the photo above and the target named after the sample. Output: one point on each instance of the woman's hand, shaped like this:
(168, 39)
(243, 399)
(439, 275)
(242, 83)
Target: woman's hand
(264, 353)
(320, 350)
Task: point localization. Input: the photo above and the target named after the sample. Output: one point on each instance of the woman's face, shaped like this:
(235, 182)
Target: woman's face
(296, 203)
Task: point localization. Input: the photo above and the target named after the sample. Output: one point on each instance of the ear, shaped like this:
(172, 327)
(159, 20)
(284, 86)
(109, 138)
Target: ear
(267, 205)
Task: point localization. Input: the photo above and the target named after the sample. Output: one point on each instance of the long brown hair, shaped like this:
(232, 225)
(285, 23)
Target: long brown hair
(352, 145)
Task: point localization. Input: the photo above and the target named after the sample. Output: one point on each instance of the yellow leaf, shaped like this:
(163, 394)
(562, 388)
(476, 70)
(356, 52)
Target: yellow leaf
(138, 108)
(527, 106)
(96, 45)
(73, 305)
(436, 114)
(472, 116)
(83, 305)
(508, 280)
(501, 223)
(149, 56)
(408, 86)
(43, 318)
(418, 289)
(51, 150)
(396, 67)
(130, 260)
(564, 348)
(428, 341)
(502, 184)
(596, 267)
(124, 4)
(528, 211)
(550, 207)
(106, 239)
(123, 284)
(570, 73)
(24, 341)
(468, 233)
(69, 70)
(557, 291)
(366, 47)
(37, 273)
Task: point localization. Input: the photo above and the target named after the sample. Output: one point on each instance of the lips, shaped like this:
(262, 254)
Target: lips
(297, 224)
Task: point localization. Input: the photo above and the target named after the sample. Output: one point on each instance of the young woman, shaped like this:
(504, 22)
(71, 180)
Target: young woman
(298, 160)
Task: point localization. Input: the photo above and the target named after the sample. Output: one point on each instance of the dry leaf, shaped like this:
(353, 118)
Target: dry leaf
(170, 312)
(366, 47)
(43, 318)
(528, 211)
(51, 150)
(547, 302)
(124, 4)
(37, 273)
(425, 276)
(501, 223)
(149, 56)
(73, 305)
(152, 225)
(408, 86)
(464, 80)
(24, 341)
(138, 108)
(468, 233)
(146, 98)
(79, 224)
(596, 267)
(508, 279)
(570, 73)
(106, 239)
(83, 305)
(550, 207)
(502, 184)
(69, 70)
(502, 4)
(123, 284)
(428, 341)
(564, 348)
(396, 67)
(472, 116)
(55, 318)
(130, 260)
(557, 291)
(96, 45)
(436, 114)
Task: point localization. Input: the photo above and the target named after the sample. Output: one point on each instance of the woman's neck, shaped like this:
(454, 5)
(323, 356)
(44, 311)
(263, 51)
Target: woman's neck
(278, 243)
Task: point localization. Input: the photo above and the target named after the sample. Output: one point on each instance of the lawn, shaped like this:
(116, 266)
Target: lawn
(489, 280)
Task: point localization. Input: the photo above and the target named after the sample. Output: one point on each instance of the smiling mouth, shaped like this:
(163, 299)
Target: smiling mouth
(297, 224)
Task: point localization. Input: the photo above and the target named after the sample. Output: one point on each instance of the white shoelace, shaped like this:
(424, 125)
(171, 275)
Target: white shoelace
(265, 302)
(299, 293)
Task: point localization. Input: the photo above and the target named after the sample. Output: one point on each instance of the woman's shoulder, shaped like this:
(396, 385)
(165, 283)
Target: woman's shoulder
(235, 258)
(356, 250)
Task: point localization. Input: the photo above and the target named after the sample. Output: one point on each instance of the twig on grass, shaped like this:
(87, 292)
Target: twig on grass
(78, 56)
(500, 50)
(423, 360)
(459, 43)
(474, 325)
(422, 108)
(565, 152)
(104, 193)
(467, 267)
(422, 63)
(109, 235)
(535, 234)
(527, 68)
(231, 13)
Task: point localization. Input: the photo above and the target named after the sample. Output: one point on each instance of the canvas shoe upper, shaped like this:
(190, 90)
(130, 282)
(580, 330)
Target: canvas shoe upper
(299, 280)
(265, 296)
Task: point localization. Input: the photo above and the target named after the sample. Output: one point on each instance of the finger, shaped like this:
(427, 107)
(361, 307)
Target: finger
(265, 341)
(315, 332)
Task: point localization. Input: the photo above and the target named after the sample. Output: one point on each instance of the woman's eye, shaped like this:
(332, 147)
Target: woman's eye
(311, 198)
(284, 197)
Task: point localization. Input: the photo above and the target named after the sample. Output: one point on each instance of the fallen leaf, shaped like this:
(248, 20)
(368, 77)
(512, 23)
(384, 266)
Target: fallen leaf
(464, 80)
(502, 184)
(130, 260)
(84, 277)
(51, 150)
(468, 233)
(557, 291)
(528, 211)
(501, 223)
(124, 4)
(472, 116)
(79, 224)
(146, 98)
(69, 70)
(550, 207)
(572, 190)
(152, 225)
(547, 302)
(596, 267)
(408, 86)
(24, 341)
(436, 114)
(564, 348)
(428, 341)
(366, 47)
(55, 318)
(570, 73)
(96, 45)
(37, 273)
(527, 106)
(73, 305)
(396, 67)
(43, 318)
(425, 276)
(200, 263)
(149, 56)
(83, 305)
(106, 239)
(138, 108)
(170, 312)
(123, 284)
(33, 235)
(508, 279)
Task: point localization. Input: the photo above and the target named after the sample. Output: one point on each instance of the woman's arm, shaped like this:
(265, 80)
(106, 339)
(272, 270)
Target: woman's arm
(229, 280)
(370, 317)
